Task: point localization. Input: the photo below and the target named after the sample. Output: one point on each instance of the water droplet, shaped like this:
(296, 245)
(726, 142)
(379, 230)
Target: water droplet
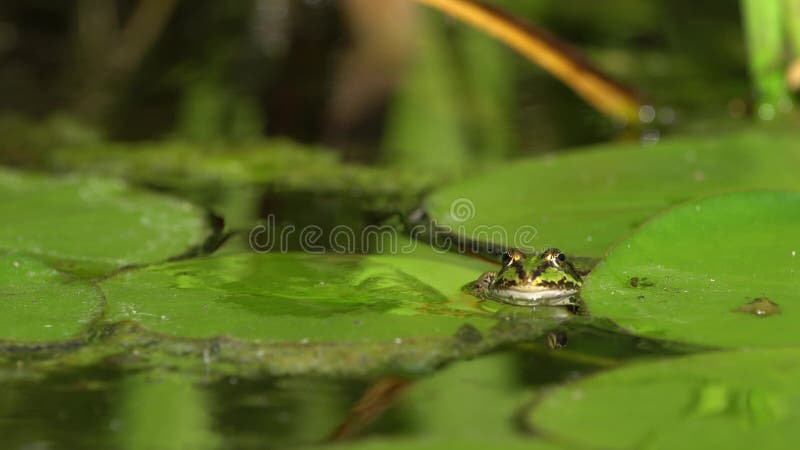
(649, 136)
(766, 111)
(647, 113)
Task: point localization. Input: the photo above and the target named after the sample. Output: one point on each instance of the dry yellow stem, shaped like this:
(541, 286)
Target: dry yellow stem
(563, 62)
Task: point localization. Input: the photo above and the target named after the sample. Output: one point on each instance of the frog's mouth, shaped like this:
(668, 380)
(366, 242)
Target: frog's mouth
(530, 296)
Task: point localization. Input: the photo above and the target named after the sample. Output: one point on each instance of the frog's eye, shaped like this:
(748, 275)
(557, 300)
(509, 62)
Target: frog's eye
(561, 257)
(508, 258)
(511, 256)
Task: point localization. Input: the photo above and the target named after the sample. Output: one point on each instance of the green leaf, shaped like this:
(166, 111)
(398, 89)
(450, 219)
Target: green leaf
(91, 226)
(295, 313)
(297, 297)
(582, 202)
(691, 274)
(743, 399)
(39, 304)
(234, 181)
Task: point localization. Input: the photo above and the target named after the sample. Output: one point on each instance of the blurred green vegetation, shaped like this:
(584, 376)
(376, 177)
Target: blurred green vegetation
(384, 82)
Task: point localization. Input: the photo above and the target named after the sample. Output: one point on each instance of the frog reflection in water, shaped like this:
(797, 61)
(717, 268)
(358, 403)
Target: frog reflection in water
(544, 279)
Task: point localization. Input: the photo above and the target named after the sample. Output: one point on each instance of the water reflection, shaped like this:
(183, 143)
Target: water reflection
(99, 409)
(114, 408)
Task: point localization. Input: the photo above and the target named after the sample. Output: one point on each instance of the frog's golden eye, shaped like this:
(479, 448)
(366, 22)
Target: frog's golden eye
(512, 256)
(554, 256)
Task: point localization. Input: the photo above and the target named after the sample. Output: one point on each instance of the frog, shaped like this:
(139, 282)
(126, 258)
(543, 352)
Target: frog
(547, 279)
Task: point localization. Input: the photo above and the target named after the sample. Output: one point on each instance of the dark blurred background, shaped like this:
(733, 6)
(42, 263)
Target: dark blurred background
(379, 81)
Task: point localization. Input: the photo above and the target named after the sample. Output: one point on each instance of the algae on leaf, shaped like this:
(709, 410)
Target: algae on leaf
(300, 297)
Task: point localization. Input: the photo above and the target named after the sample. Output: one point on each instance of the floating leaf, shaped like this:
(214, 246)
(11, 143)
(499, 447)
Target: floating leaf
(708, 273)
(744, 399)
(235, 182)
(90, 225)
(582, 202)
(296, 297)
(38, 303)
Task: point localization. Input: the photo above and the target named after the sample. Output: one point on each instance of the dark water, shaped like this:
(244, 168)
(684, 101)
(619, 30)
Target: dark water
(106, 407)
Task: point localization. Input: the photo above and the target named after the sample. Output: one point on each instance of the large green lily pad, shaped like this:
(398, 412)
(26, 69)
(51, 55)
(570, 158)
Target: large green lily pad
(582, 202)
(301, 297)
(702, 272)
(745, 399)
(38, 303)
(91, 225)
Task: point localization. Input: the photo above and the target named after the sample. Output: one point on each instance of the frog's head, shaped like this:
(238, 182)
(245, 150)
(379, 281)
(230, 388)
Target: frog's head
(529, 279)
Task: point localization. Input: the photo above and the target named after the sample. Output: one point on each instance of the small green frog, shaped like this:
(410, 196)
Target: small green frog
(544, 279)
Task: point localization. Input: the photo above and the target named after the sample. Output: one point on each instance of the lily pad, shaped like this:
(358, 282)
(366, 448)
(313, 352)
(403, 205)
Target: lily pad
(38, 303)
(744, 399)
(582, 202)
(301, 297)
(247, 182)
(702, 272)
(91, 226)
